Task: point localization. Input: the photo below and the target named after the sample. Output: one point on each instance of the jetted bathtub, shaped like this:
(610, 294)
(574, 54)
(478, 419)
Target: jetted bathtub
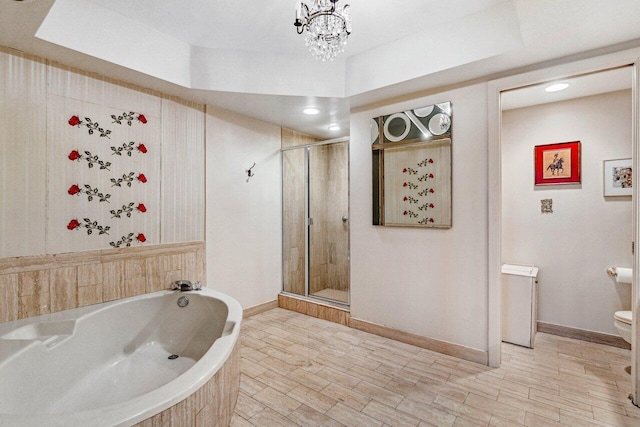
(115, 363)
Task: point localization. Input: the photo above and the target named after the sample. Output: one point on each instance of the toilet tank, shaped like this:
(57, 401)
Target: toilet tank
(519, 300)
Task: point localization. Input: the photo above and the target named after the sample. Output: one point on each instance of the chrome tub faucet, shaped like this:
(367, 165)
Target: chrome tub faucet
(186, 286)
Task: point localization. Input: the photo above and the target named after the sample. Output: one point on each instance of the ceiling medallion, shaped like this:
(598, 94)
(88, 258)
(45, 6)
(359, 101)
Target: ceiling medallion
(328, 27)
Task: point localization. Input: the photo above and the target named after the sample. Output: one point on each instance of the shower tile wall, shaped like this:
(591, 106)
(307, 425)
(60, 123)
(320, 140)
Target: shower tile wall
(329, 264)
(293, 210)
(291, 138)
(293, 221)
(329, 234)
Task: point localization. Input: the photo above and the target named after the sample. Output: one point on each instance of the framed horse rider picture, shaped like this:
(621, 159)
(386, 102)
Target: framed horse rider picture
(557, 163)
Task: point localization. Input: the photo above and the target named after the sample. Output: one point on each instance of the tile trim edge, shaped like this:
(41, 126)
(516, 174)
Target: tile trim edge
(337, 315)
(73, 259)
(314, 309)
(584, 335)
(260, 308)
(444, 347)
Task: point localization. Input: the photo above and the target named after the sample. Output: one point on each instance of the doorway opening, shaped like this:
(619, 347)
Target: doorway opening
(566, 200)
(555, 207)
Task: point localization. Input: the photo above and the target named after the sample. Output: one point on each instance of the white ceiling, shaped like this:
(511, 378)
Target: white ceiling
(579, 86)
(245, 56)
(267, 25)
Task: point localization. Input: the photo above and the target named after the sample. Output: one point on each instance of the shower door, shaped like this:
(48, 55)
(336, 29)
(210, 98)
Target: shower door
(315, 221)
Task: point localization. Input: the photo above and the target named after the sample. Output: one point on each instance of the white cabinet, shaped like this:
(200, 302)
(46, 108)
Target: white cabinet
(519, 304)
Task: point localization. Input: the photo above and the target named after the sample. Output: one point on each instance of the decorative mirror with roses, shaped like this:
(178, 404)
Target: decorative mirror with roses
(412, 167)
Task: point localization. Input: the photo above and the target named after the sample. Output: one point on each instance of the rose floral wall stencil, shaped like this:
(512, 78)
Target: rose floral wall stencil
(89, 225)
(126, 179)
(105, 173)
(92, 160)
(128, 118)
(128, 149)
(416, 195)
(92, 127)
(91, 193)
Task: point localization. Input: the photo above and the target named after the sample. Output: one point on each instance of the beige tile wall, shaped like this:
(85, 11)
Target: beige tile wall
(211, 405)
(293, 210)
(329, 202)
(314, 309)
(42, 284)
(293, 220)
(291, 138)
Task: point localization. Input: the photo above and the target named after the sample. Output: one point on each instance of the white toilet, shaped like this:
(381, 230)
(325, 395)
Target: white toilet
(622, 319)
(622, 322)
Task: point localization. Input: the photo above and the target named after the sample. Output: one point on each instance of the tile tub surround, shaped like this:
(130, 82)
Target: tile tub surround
(42, 284)
(297, 370)
(212, 405)
(119, 372)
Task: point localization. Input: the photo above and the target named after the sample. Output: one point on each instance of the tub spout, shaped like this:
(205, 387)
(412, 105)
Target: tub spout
(186, 285)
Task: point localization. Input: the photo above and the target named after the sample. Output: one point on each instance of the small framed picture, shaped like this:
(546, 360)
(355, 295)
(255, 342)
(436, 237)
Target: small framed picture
(557, 163)
(618, 177)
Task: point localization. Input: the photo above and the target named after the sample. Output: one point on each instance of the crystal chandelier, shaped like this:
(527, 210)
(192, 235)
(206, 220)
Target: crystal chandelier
(327, 25)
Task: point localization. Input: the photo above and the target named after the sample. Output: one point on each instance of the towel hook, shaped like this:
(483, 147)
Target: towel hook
(250, 172)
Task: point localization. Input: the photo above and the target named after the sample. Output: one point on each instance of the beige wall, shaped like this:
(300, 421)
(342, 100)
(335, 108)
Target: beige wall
(23, 127)
(586, 233)
(244, 219)
(44, 267)
(426, 282)
(38, 98)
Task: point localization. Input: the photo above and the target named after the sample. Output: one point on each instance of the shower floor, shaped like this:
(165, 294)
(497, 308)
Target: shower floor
(333, 294)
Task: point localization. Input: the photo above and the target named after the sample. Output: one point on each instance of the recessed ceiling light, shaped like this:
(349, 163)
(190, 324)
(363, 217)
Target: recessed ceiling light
(334, 127)
(556, 87)
(311, 111)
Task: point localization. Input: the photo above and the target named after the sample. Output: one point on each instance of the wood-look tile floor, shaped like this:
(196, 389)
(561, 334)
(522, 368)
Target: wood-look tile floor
(301, 371)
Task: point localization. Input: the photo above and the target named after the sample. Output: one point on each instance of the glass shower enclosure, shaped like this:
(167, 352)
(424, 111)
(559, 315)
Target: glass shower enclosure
(315, 223)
